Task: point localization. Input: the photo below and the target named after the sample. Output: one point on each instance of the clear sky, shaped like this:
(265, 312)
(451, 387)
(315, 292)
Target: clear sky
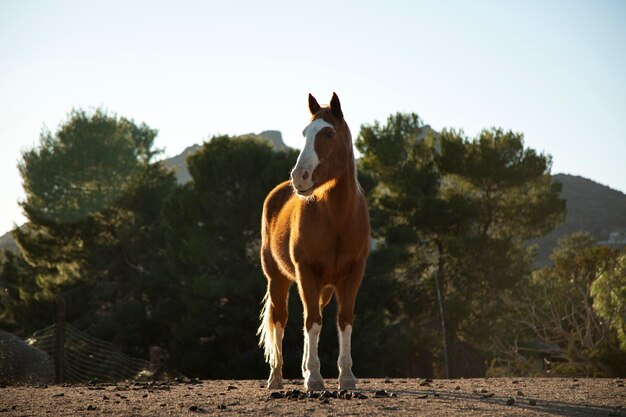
(553, 70)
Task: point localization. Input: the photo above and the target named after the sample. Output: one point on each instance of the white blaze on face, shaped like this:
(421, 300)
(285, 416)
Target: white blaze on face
(308, 159)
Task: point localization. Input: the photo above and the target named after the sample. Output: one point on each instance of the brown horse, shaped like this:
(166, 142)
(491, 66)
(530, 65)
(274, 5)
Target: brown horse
(315, 231)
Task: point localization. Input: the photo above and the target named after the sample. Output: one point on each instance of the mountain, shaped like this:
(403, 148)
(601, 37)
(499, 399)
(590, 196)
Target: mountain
(7, 241)
(179, 162)
(591, 207)
(275, 137)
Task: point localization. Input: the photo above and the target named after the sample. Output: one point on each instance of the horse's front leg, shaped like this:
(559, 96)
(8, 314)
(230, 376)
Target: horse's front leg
(346, 297)
(310, 295)
(347, 380)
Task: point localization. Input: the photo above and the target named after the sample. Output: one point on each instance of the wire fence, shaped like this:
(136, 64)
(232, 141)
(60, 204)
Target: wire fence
(80, 357)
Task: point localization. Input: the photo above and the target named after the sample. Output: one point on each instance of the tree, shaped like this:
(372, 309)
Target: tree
(609, 297)
(556, 315)
(213, 229)
(23, 306)
(94, 237)
(85, 167)
(506, 194)
(458, 210)
(401, 179)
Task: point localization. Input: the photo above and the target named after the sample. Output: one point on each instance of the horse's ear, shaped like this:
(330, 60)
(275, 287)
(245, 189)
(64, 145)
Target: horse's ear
(314, 107)
(335, 107)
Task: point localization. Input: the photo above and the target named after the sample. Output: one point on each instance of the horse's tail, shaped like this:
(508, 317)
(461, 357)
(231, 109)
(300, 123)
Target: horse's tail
(266, 332)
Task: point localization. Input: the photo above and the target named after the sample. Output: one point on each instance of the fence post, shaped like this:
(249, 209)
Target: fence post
(155, 362)
(439, 276)
(59, 340)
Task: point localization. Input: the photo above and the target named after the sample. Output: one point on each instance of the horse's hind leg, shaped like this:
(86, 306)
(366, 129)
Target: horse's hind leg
(274, 319)
(346, 297)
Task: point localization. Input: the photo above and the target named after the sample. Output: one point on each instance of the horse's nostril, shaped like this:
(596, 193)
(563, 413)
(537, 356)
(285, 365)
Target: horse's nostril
(305, 176)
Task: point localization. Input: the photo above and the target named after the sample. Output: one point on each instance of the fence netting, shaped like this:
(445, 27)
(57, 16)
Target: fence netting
(86, 358)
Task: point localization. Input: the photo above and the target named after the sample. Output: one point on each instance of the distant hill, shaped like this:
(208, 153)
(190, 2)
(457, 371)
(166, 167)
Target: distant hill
(591, 207)
(275, 137)
(179, 162)
(7, 241)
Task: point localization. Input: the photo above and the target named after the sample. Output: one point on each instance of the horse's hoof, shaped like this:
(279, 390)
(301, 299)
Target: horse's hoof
(347, 384)
(314, 385)
(275, 383)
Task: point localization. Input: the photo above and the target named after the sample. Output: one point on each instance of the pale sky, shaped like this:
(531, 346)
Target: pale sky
(553, 70)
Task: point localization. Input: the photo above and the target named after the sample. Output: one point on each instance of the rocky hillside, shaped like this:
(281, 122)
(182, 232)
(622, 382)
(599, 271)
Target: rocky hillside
(179, 162)
(7, 242)
(591, 207)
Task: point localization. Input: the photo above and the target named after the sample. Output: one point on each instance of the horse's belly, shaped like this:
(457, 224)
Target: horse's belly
(280, 253)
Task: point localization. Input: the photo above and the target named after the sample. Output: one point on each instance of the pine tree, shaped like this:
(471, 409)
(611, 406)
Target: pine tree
(94, 237)
(458, 210)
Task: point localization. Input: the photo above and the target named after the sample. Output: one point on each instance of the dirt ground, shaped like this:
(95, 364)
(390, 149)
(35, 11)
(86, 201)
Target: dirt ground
(393, 397)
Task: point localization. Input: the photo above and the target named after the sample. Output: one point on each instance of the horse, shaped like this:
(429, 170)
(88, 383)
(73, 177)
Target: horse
(315, 233)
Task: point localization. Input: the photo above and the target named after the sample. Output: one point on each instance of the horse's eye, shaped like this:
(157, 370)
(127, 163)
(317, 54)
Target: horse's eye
(330, 134)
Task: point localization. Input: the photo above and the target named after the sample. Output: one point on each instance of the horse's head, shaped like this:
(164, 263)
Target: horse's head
(327, 152)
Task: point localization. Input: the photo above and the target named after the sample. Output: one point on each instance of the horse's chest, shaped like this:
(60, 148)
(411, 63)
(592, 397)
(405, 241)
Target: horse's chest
(327, 250)
(326, 246)
(328, 259)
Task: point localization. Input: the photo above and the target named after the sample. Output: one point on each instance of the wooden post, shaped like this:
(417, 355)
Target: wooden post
(155, 362)
(439, 277)
(59, 340)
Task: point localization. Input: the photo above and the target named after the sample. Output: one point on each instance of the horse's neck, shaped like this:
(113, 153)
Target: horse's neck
(341, 199)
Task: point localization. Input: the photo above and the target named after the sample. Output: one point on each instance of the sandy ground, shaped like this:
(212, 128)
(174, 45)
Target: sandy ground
(401, 397)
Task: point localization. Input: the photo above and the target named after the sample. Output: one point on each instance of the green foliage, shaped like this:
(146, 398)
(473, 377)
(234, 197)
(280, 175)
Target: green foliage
(556, 316)
(24, 308)
(142, 261)
(94, 237)
(79, 170)
(213, 229)
(508, 185)
(403, 170)
(458, 210)
(609, 298)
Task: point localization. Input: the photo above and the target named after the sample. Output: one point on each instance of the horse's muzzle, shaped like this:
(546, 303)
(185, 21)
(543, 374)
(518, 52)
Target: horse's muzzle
(302, 181)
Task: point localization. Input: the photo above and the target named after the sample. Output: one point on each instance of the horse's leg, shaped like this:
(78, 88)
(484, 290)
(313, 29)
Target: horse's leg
(325, 297)
(346, 297)
(310, 295)
(275, 316)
